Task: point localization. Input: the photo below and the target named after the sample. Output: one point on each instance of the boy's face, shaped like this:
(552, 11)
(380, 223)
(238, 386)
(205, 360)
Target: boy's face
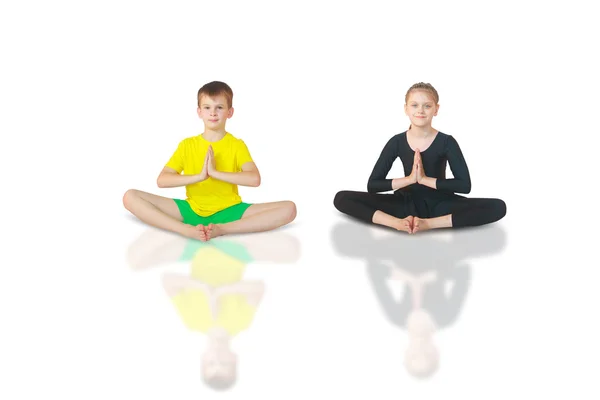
(421, 108)
(214, 111)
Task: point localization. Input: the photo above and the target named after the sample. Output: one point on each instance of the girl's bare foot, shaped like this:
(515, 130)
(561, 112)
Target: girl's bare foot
(420, 224)
(405, 224)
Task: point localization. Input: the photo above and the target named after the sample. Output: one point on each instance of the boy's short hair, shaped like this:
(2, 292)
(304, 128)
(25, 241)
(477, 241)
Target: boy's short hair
(216, 88)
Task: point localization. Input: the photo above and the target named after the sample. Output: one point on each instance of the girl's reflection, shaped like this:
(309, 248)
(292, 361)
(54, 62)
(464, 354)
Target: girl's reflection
(429, 270)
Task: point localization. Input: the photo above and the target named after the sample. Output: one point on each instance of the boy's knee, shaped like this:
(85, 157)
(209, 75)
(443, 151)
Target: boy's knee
(292, 210)
(129, 197)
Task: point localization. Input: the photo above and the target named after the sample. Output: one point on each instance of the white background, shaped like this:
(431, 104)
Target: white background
(95, 97)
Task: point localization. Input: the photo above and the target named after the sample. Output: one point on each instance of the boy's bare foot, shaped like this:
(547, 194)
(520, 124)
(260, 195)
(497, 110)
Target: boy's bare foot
(197, 232)
(213, 231)
(405, 224)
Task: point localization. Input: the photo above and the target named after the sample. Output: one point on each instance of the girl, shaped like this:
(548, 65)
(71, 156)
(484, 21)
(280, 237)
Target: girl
(424, 199)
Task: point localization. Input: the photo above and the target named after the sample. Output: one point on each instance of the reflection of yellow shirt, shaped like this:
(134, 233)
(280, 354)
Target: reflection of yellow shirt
(211, 195)
(215, 268)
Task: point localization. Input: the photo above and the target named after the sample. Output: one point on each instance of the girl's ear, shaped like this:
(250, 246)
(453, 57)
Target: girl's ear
(437, 108)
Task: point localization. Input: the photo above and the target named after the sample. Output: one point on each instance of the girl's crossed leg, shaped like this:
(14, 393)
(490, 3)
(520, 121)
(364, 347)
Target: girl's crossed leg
(460, 212)
(382, 209)
(394, 211)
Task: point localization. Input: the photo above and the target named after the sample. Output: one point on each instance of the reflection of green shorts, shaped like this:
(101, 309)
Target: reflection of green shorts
(232, 249)
(229, 214)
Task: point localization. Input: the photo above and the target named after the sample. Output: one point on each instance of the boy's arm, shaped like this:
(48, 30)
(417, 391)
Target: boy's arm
(250, 176)
(169, 178)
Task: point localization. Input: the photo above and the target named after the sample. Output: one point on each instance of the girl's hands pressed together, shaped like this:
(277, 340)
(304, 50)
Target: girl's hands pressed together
(413, 174)
(419, 163)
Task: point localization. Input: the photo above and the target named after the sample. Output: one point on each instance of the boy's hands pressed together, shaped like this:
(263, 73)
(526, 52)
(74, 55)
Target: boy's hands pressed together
(249, 176)
(204, 173)
(211, 167)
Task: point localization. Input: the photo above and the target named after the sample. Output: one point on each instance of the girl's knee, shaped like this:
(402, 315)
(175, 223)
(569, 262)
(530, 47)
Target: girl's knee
(340, 199)
(499, 207)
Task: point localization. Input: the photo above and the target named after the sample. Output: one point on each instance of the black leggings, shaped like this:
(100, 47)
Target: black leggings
(465, 211)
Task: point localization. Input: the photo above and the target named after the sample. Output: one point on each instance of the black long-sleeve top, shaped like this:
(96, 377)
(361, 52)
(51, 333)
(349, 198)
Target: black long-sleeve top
(443, 150)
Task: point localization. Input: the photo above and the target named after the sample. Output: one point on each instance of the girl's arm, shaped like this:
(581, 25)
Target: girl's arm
(378, 181)
(398, 183)
(461, 183)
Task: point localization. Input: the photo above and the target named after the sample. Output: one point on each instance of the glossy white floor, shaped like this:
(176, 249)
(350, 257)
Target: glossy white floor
(340, 310)
(96, 97)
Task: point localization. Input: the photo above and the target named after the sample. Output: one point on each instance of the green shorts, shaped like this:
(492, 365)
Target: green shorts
(229, 214)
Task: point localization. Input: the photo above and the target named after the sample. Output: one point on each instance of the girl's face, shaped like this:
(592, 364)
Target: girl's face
(421, 108)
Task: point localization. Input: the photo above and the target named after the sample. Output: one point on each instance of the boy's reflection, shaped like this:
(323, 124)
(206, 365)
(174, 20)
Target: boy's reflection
(431, 269)
(214, 298)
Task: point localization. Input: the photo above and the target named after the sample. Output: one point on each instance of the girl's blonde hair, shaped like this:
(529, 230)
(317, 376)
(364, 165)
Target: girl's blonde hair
(425, 87)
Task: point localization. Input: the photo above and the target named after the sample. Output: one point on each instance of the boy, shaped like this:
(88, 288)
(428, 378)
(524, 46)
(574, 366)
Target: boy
(214, 164)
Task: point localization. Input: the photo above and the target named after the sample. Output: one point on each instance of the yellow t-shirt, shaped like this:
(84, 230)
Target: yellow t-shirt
(215, 268)
(211, 195)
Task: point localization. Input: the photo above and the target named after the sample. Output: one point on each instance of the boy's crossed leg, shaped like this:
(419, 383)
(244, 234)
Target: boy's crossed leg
(259, 217)
(162, 212)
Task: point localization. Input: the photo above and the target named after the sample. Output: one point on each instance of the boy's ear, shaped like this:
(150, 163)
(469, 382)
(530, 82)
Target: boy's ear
(230, 113)
(198, 111)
